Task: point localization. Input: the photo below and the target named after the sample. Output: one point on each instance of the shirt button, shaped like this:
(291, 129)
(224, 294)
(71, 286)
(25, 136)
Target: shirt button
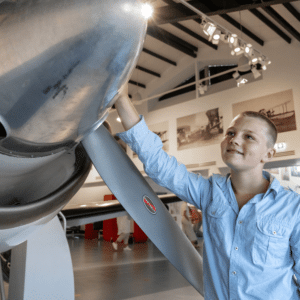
(236, 248)
(240, 222)
(274, 232)
(234, 272)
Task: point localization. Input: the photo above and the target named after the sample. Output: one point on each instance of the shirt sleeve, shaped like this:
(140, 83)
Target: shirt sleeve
(295, 249)
(165, 170)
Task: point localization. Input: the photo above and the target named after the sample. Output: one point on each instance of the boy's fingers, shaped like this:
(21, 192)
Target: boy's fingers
(124, 90)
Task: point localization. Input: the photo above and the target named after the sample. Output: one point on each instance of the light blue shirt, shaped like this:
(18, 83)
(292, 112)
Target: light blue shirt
(251, 253)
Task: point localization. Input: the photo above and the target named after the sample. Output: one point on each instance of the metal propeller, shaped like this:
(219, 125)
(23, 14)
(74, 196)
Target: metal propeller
(137, 197)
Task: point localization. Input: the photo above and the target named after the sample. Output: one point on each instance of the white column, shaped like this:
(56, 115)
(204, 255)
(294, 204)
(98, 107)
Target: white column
(41, 267)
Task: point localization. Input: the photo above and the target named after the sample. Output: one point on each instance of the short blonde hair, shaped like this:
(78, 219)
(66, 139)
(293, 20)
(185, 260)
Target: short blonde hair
(272, 127)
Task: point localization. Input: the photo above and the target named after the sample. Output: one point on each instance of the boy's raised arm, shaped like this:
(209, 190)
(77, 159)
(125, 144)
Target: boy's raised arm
(127, 112)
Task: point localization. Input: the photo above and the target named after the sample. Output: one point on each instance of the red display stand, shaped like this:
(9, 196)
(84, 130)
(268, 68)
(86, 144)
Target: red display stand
(90, 233)
(110, 227)
(109, 197)
(139, 235)
(110, 230)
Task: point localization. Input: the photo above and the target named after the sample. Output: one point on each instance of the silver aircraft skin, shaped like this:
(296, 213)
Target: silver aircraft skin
(62, 65)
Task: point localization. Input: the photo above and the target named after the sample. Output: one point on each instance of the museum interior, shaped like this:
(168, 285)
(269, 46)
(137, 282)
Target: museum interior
(190, 67)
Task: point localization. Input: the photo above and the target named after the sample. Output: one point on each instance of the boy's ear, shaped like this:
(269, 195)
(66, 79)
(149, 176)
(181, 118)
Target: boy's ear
(269, 155)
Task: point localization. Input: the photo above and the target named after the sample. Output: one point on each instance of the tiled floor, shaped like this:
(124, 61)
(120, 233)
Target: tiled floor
(140, 274)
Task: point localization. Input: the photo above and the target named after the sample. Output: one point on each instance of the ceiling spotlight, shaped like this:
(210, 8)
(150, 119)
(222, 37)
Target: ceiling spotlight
(147, 10)
(216, 37)
(224, 37)
(233, 40)
(118, 119)
(217, 34)
(239, 50)
(236, 75)
(254, 60)
(248, 50)
(255, 72)
(209, 28)
(239, 79)
(264, 62)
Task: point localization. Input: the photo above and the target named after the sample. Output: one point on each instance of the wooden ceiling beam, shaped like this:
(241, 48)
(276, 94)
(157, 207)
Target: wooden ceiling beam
(158, 56)
(137, 83)
(286, 25)
(148, 71)
(271, 25)
(168, 39)
(178, 12)
(292, 10)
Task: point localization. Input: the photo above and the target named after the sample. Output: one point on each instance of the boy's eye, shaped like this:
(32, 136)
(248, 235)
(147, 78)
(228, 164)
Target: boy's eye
(249, 137)
(230, 133)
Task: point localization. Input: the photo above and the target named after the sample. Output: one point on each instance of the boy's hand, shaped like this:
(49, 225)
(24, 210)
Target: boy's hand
(127, 112)
(124, 90)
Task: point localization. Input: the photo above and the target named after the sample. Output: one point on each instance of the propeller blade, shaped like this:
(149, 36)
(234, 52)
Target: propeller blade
(140, 201)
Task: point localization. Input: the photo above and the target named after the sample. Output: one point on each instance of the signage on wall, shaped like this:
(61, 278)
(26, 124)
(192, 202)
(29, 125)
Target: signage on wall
(280, 147)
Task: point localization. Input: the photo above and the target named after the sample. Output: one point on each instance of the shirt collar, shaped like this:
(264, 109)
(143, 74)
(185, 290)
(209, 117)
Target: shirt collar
(274, 183)
(225, 182)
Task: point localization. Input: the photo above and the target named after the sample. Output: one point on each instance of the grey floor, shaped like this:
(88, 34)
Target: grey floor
(142, 273)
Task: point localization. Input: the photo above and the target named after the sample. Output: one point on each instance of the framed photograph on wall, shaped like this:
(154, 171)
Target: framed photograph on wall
(295, 171)
(200, 129)
(278, 107)
(285, 174)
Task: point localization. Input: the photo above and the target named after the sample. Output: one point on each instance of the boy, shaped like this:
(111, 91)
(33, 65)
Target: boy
(251, 225)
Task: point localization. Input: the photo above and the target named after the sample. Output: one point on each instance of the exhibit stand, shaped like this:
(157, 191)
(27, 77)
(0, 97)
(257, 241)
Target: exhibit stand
(41, 267)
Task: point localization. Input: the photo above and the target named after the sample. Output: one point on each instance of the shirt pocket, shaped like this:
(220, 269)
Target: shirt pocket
(216, 215)
(271, 246)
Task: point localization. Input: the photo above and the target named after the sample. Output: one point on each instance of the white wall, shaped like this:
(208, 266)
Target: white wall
(283, 74)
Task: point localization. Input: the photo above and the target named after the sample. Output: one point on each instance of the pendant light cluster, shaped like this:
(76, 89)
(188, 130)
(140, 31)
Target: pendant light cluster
(238, 47)
(217, 33)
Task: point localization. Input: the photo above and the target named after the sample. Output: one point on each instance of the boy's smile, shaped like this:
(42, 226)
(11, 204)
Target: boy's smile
(245, 145)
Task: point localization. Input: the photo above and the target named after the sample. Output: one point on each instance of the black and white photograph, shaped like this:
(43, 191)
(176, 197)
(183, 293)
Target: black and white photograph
(295, 171)
(285, 173)
(278, 107)
(200, 129)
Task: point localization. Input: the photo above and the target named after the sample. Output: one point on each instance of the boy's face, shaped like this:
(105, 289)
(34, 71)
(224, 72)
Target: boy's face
(245, 145)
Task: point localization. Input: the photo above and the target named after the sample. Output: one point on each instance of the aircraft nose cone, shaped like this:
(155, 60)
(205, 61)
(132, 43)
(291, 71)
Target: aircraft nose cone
(63, 64)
